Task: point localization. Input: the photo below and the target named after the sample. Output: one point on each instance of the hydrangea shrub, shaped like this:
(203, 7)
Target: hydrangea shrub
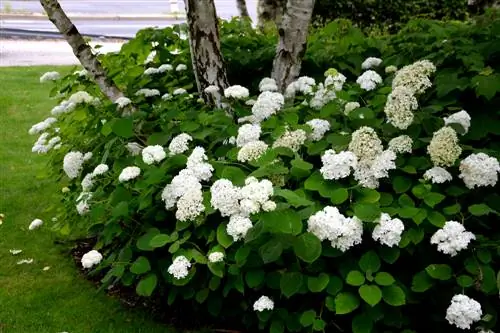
(349, 206)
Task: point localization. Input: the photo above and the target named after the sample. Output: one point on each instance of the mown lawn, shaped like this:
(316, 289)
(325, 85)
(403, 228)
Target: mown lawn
(33, 300)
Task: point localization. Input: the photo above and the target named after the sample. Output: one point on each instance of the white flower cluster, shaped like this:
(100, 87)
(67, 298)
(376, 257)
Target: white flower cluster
(35, 224)
(319, 127)
(415, 76)
(369, 80)
(479, 170)
(153, 154)
(73, 163)
(267, 84)
(211, 89)
(401, 103)
(437, 175)
(81, 73)
(371, 62)
(267, 104)
(303, 84)
(349, 106)
(236, 92)
(82, 97)
(179, 91)
(391, 69)
(147, 92)
(322, 96)
(337, 166)
(240, 202)
(263, 303)
(43, 144)
(216, 257)
(179, 144)
(82, 203)
(150, 58)
(291, 139)
(50, 76)
(388, 231)
(335, 79)
(180, 68)
(166, 97)
(365, 144)
(329, 224)
(42, 126)
(401, 144)
(185, 189)
(129, 173)
(452, 238)
(462, 118)
(463, 311)
(122, 102)
(180, 267)
(252, 151)
(444, 148)
(63, 107)
(162, 69)
(91, 258)
(248, 133)
(133, 148)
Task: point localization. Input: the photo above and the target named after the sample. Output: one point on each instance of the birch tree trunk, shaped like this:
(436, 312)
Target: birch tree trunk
(204, 42)
(242, 8)
(293, 42)
(270, 11)
(80, 48)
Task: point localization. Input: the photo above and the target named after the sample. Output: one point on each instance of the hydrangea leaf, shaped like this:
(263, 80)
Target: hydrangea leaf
(394, 295)
(371, 294)
(355, 278)
(319, 283)
(147, 285)
(439, 271)
(346, 302)
(140, 266)
(290, 283)
(307, 247)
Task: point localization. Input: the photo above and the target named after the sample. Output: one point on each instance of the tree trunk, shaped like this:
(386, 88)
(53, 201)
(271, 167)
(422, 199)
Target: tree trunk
(81, 49)
(293, 42)
(204, 42)
(270, 11)
(242, 7)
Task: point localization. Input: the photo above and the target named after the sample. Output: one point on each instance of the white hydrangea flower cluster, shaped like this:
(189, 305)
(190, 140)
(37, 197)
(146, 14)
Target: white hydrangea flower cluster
(388, 231)
(263, 303)
(365, 144)
(291, 139)
(42, 126)
(369, 80)
(438, 175)
(248, 133)
(401, 103)
(166, 97)
(391, 69)
(252, 151)
(322, 96)
(337, 166)
(83, 206)
(212, 89)
(185, 189)
(133, 148)
(91, 258)
(180, 68)
(479, 170)
(216, 257)
(463, 311)
(162, 69)
(236, 92)
(63, 107)
(371, 62)
(43, 144)
(303, 84)
(81, 73)
(129, 173)
(82, 97)
(153, 154)
(349, 106)
(401, 144)
(179, 144)
(268, 84)
(122, 102)
(452, 238)
(35, 224)
(179, 91)
(329, 224)
(267, 104)
(335, 79)
(50, 76)
(444, 148)
(179, 267)
(240, 202)
(415, 76)
(319, 127)
(73, 163)
(147, 92)
(462, 118)
(150, 58)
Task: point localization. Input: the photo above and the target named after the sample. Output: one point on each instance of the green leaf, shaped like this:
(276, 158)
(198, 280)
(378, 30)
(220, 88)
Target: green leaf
(120, 210)
(319, 283)
(439, 271)
(335, 285)
(290, 283)
(277, 326)
(301, 164)
(143, 243)
(293, 198)
(319, 325)
(389, 254)
(394, 295)
(484, 255)
(421, 282)
(254, 278)
(160, 240)
(202, 295)
(346, 302)
(307, 318)
(371, 294)
(355, 278)
(217, 268)
(367, 212)
(369, 262)
(123, 127)
(465, 281)
(384, 279)
(234, 174)
(452, 210)
(339, 195)
(432, 199)
(367, 195)
(362, 323)
(420, 191)
(307, 247)
(282, 221)
(222, 237)
(147, 285)
(436, 218)
(480, 210)
(271, 251)
(140, 266)
(401, 184)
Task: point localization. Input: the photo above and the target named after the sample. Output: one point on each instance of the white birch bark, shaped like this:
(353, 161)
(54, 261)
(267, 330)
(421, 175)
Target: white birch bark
(270, 11)
(242, 8)
(293, 42)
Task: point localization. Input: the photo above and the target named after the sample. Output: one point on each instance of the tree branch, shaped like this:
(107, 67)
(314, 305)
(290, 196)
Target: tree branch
(242, 8)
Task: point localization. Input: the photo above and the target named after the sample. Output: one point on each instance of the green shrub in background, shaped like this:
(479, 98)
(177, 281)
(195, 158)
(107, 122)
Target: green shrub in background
(173, 219)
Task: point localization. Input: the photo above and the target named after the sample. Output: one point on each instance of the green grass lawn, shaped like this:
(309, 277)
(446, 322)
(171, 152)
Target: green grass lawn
(33, 300)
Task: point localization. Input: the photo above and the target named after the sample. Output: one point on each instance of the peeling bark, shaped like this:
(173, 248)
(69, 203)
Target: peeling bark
(242, 8)
(80, 48)
(293, 42)
(270, 11)
(204, 42)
